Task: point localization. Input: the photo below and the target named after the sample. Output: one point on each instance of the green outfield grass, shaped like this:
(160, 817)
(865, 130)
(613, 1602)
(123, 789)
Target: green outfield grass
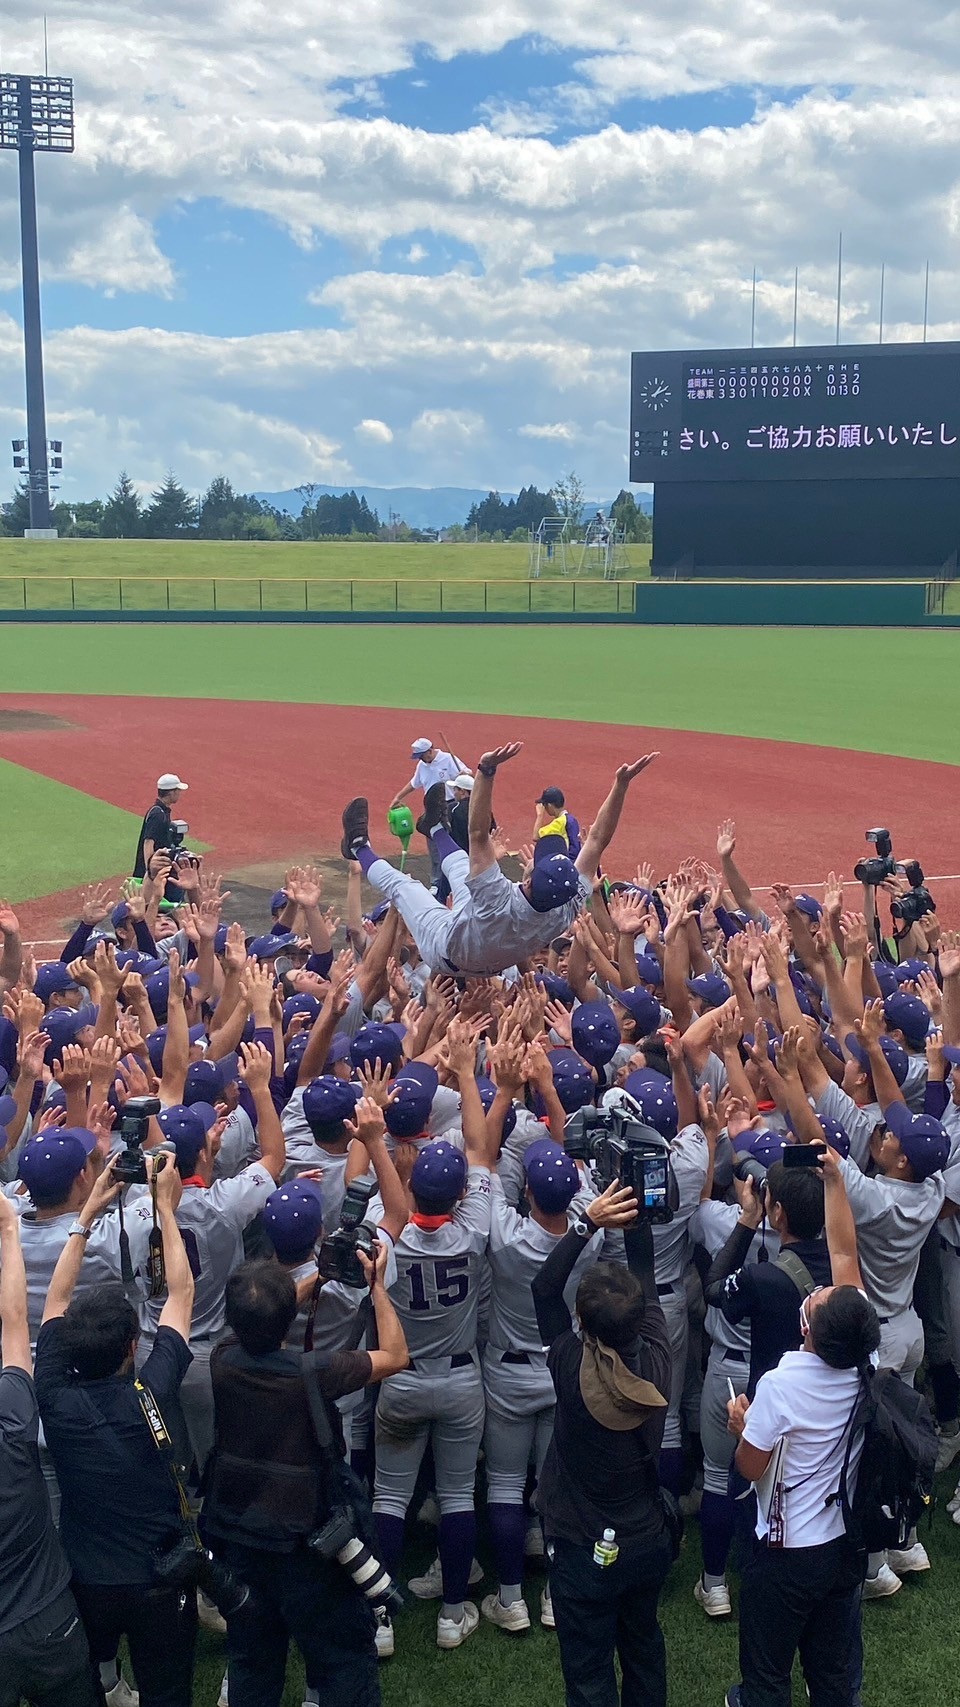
(253, 560)
(825, 686)
(35, 809)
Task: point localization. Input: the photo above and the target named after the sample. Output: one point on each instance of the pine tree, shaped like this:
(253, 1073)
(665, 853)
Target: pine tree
(122, 515)
(172, 512)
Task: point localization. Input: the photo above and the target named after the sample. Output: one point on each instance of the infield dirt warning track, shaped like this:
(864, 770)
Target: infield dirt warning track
(268, 782)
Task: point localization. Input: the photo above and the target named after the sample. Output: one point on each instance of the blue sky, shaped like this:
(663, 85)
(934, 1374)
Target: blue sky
(417, 248)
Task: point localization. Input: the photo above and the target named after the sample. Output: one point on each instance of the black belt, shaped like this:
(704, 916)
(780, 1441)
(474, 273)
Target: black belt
(734, 1356)
(515, 1357)
(459, 1360)
(945, 1245)
(667, 1291)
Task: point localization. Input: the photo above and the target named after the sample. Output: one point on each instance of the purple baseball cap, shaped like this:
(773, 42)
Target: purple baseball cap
(836, 1134)
(710, 988)
(278, 901)
(273, 943)
(908, 970)
(767, 1147)
(50, 1163)
(376, 1043)
(302, 1003)
(644, 1079)
(293, 1217)
(158, 989)
(204, 1082)
(896, 1057)
(552, 1176)
(658, 1108)
(649, 970)
(53, 980)
(339, 1047)
(553, 882)
(439, 1173)
(572, 1079)
(595, 1033)
(406, 1115)
(327, 1099)
(921, 1138)
(186, 1129)
(886, 976)
(909, 1015)
(557, 988)
(809, 907)
(643, 1009)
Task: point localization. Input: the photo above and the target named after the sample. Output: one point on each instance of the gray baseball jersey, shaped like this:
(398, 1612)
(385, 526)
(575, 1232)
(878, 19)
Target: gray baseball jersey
(516, 1252)
(238, 1145)
(42, 1243)
(860, 1121)
(689, 1158)
(893, 1218)
(915, 1084)
(211, 1222)
(437, 1290)
(711, 1227)
(498, 925)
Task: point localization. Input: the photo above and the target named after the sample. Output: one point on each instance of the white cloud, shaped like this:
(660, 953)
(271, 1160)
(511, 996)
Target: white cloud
(563, 430)
(375, 432)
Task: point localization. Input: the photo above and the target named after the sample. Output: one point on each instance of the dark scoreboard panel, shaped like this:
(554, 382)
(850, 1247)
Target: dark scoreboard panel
(841, 412)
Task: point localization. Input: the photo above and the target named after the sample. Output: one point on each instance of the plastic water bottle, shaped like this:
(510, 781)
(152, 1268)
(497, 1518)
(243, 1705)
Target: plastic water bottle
(606, 1552)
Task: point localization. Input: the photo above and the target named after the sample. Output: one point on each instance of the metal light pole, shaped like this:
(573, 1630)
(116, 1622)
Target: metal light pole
(36, 117)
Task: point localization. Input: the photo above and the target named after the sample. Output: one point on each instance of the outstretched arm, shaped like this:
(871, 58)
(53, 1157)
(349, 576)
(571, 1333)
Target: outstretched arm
(732, 875)
(482, 853)
(604, 826)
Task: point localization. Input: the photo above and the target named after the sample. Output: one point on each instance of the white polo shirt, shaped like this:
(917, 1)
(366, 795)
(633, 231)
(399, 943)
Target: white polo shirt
(806, 1405)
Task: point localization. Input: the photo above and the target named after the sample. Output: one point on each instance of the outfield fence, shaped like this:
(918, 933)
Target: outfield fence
(239, 595)
(794, 603)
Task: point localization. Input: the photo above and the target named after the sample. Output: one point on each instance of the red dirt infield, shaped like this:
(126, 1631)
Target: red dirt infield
(268, 782)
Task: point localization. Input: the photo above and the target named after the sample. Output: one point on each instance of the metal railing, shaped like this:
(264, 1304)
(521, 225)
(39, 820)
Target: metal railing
(225, 595)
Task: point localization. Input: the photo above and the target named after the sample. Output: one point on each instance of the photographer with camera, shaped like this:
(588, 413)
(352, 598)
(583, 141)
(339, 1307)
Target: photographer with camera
(120, 1508)
(156, 831)
(604, 1516)
(282, 1509)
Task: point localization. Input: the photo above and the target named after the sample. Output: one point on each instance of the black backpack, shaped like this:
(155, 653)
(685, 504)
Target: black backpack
(895, 1479)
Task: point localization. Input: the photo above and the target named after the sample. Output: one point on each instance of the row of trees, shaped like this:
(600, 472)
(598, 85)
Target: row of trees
(222, 513)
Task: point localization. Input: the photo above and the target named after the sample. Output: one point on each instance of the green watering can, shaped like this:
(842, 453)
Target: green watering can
(400, 823)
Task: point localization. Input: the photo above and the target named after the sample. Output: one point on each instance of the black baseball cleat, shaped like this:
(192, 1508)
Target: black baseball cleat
(356, 827)
(434, 809)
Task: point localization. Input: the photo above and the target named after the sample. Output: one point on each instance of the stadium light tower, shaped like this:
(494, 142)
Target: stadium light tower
(36, 117)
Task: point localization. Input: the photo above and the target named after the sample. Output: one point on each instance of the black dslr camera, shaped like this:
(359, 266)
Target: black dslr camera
(130, 1166)
(338, 1257)
(189, 1565)
(175, 850)
(907, 908)
(619, 1147)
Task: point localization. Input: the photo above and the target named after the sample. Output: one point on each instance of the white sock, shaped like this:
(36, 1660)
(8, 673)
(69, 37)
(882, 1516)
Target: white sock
(455, 1612)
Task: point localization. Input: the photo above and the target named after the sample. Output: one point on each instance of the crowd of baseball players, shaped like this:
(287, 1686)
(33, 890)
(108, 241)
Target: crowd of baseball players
(437, 1042)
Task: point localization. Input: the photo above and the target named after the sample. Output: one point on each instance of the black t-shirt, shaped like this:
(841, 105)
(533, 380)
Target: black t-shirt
(33, 1569)
(119, 1504)
(595, 1478)
(155, 829)
(765, 1296)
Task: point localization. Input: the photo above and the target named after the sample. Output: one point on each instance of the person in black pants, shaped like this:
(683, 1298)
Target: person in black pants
(43, 1648)
(600, 1469)
(119, 1505)
(800, 1592)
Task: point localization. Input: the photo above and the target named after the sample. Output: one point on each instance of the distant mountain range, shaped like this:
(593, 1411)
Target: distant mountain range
(418, 506)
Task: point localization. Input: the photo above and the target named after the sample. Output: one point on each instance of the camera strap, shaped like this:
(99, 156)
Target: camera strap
(160, 1435)
(156, 1268)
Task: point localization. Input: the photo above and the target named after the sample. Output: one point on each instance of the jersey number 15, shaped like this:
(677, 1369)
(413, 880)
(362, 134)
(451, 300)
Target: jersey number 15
(444, 1282)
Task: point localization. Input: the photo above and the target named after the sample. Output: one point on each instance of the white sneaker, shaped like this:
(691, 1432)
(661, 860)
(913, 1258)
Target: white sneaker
(953, 1503)
(121, 1695)
(384, 1636)
(715, 1601)
(546, 1611)
(907, 1561)
(430, 1585)
(429, 1511)
(223, 1699)
(533, 1547)
(948, 1449)
(210, 1618)
(453, 1632)
(513, 1617)
(885, 1582)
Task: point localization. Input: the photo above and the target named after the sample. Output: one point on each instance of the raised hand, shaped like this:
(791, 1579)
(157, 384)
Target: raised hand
(32, 1050)
(625, 773)
(784, 897)
(853, 929)
(256, 1066)
(628, 914)
(304, 885)
(726, 838)
(94, 903)
(833, 896)
(615, 1207)
(930, 994)
(558, 1019)
(948, 957)
(71, 1072)
(375, 1080)
(112, 977)
(787, 1051)
(368, 1124)
(870, 1028)
(499, 756)
(132, 896)
(707, 1115)
(461, 1046)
